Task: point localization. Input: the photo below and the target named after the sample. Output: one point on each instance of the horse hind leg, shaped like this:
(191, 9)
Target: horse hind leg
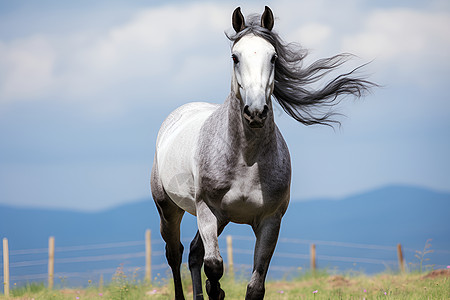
(196, 255)
(171, 216)
(170, 231)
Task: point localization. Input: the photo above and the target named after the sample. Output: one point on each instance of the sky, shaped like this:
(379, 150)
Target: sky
(84, 87)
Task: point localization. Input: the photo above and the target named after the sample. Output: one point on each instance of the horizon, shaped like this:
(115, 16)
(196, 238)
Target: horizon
(150, 199)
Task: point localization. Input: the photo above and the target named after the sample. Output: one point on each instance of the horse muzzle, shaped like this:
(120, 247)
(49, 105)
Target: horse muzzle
(255, 118)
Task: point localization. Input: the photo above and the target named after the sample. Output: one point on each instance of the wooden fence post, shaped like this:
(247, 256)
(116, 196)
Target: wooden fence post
(148, 256)
(5, 267)
(100, 284)
(230, 256)
(401, 262)
(313, 258)
(51, 261)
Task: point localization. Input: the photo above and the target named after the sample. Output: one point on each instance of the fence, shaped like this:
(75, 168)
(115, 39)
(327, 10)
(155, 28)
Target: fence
(147, 254)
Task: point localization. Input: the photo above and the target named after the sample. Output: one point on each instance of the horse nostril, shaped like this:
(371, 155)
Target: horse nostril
(255, 119)
(264, 113)
(247, 111)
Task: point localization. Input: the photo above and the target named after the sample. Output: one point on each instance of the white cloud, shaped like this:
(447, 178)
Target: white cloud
(83, 65)
(26, 68)
(163, 31)
(168, 45)
(406, 41)
(312, 35)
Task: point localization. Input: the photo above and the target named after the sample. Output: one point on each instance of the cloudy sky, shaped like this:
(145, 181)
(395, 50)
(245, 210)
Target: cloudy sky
(84, 87)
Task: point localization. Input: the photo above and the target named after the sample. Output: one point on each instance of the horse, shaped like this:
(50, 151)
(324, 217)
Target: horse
(229, 162)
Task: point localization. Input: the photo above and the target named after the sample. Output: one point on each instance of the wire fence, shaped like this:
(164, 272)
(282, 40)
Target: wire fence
(89, 262)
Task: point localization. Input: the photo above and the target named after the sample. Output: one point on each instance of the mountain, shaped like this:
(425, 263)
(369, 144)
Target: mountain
(387, 216)
(384, 217)
(375, 221)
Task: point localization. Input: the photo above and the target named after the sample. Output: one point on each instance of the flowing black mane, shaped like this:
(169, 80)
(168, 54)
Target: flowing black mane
(293, 81)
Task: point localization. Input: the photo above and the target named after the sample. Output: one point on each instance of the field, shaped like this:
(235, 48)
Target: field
(433, 285)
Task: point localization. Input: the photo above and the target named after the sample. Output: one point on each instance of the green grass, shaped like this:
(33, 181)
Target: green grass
(382, 286)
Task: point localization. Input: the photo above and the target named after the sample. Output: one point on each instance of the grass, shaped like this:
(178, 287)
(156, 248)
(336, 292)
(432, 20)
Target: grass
(434, 285)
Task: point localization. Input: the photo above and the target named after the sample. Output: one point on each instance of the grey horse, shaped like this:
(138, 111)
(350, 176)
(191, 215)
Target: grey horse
(229, 162)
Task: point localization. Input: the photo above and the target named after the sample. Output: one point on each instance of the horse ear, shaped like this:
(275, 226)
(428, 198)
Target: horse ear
(238, 20)
(267, 18)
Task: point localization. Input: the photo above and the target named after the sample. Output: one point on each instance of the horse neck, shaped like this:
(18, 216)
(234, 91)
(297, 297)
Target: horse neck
(250, 143)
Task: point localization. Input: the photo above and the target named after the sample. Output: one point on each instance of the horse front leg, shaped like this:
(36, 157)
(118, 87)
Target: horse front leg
(208, 226)
(266, 239)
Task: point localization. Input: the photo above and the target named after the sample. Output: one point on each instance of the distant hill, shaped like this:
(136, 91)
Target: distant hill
(391, 215)
(385, 217)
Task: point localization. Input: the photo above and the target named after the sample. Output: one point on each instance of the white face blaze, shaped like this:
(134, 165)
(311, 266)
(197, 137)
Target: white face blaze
(253, 72)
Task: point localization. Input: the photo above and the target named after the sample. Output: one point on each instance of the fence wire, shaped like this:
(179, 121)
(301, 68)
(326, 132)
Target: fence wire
(164, 266)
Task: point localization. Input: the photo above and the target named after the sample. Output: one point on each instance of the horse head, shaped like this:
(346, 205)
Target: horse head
(253, 70)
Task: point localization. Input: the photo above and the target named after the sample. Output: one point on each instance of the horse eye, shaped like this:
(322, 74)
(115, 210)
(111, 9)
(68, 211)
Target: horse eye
(274, 58)
(235, 59)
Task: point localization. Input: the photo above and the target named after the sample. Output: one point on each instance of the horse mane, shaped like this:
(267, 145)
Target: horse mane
(292, 88)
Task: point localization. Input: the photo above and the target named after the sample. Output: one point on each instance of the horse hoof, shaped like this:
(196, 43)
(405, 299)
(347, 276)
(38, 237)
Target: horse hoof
(213, 294)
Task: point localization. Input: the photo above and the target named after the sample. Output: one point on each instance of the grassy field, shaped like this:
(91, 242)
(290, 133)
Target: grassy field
(433, 285)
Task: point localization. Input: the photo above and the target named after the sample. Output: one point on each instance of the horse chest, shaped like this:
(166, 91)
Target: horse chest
(246, 197)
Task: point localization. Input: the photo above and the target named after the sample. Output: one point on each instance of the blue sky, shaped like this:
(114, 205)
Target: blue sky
(84, 88)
